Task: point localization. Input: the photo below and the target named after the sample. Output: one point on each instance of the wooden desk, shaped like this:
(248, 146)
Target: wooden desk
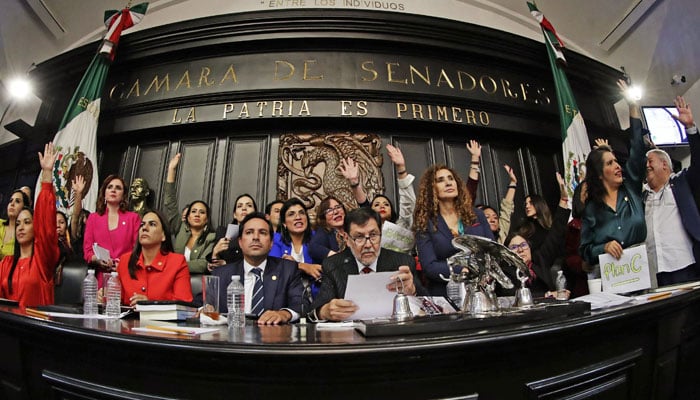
(644, 351)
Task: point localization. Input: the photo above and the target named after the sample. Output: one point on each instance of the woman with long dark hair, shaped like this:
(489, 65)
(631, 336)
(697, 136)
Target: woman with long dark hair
(153, 271)
(28, 275)
(194, 237)
(291, 242)
(444, 210)
(226, 249)
(614, 215)
(112, 226)
(18, 201)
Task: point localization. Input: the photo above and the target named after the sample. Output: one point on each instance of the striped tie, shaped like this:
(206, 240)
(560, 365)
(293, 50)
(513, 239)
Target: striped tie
(256, 305)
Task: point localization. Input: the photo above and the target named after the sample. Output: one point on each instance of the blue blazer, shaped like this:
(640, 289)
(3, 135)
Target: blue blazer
(684, 186)
(279, 248)
(434, 247)
(282, 285)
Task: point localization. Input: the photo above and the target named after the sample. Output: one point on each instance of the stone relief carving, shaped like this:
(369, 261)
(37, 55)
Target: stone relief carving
(308, 167)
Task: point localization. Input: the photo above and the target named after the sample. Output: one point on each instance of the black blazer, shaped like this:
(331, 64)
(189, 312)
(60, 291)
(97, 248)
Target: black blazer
(337, 268)
(282, 285)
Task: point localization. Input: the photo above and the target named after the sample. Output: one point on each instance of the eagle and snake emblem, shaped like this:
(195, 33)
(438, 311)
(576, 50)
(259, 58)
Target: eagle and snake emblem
(308, 167)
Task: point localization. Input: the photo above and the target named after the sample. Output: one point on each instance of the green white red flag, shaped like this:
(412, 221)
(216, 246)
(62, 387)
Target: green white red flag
(575, 145)
(76, 138)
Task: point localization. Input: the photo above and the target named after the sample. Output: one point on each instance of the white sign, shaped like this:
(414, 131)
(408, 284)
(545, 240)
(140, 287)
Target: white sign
(396, 238)
(629, 273)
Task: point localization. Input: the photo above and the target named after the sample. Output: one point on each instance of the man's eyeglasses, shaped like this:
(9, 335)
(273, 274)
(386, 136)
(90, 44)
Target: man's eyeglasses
(361, 240)
(333, 209)
(521, 246)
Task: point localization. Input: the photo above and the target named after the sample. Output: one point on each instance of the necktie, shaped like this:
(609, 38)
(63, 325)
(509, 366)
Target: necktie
(256, 305)
(366, 270)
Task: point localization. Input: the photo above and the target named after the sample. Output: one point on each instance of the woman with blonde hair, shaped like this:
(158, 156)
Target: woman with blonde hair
(444, 210)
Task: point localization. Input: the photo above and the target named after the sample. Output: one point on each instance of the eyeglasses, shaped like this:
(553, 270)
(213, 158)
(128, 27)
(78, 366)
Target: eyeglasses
(521, 246)
(333, 209)
(361, 240)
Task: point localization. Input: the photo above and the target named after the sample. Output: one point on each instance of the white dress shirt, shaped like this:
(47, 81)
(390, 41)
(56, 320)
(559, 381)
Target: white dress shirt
(669, 247)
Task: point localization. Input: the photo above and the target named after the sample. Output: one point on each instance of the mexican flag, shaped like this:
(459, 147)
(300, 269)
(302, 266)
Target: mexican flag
(575, 145)
(77, 135)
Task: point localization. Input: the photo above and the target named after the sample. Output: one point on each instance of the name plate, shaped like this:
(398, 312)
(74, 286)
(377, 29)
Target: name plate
(628, 274)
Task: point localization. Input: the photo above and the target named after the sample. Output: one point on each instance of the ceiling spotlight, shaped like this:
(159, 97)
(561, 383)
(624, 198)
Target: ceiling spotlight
(19, 88)
(634, 93)
(677, 79)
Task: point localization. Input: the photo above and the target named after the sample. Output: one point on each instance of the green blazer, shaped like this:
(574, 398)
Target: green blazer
(197, 263)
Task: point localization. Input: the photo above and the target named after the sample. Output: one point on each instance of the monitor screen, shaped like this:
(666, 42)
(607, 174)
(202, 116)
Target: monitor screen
(663, 128)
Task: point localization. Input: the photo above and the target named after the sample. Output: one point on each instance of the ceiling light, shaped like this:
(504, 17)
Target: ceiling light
(19, 88)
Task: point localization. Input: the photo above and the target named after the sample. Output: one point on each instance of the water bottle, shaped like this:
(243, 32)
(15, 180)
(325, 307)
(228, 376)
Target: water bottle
(235, 300)
(114, 296)
(90, 293)
(561, 286)
(454, 291)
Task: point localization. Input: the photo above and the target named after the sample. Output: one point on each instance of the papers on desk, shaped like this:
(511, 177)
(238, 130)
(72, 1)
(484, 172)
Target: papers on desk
(101, 253)
(603, 300)
(369, 293)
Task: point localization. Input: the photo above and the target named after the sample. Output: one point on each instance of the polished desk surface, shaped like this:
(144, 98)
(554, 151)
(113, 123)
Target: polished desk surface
(635, 351)
(309, 336)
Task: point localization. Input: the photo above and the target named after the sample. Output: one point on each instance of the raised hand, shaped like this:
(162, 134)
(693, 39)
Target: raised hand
(601, 142)
(395, 155)
(47, 161)
(174, 161)
(348, 167)
(474, 149)
(78, 184)
(564, 194)
(511, 174)
(685, 114)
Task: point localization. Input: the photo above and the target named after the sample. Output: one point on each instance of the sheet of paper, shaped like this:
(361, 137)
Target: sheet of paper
(369, 293)
(603, 300)
(101, 253)
(232, 231)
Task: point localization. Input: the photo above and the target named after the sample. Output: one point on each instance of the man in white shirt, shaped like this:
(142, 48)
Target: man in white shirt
(671, 213)
(281, 290)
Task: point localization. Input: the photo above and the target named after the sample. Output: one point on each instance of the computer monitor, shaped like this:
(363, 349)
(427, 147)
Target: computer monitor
(663, 128)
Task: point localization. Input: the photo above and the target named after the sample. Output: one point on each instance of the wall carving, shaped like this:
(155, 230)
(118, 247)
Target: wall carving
(308, 167)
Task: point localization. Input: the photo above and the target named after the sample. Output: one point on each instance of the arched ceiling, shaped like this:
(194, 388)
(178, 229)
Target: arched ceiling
(652, 39)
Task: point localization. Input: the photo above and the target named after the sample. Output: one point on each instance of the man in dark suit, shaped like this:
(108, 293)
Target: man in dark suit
(281, 282)
(362, 255)
(673, 220)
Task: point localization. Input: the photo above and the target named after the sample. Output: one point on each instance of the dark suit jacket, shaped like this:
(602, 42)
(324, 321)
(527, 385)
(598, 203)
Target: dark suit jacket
(233, 254)
(282, 285)
(435, 247)
(337, 268)
(685, 186)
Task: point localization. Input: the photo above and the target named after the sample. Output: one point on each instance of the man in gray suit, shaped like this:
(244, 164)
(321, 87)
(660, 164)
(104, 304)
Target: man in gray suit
(362, 255)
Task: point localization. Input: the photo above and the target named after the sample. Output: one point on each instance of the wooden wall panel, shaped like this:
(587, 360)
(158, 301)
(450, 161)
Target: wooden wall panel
(246, 171)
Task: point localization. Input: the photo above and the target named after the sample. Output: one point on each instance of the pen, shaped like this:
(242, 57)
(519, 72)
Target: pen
(659, 296)
(180, 331)
(36, 313)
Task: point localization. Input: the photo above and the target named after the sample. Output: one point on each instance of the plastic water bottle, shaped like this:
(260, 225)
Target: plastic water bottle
(114, 296)
(561, 285)
(90, 293)
(454, 291)
(235, 299)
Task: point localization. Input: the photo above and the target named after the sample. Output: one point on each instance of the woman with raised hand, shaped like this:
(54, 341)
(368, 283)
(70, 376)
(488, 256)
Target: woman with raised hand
(500, 221)
(28, 275)
(614, 215)
(194, 238)
(444, 210)
(18, 201)
(112, 226)
(153, 271)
